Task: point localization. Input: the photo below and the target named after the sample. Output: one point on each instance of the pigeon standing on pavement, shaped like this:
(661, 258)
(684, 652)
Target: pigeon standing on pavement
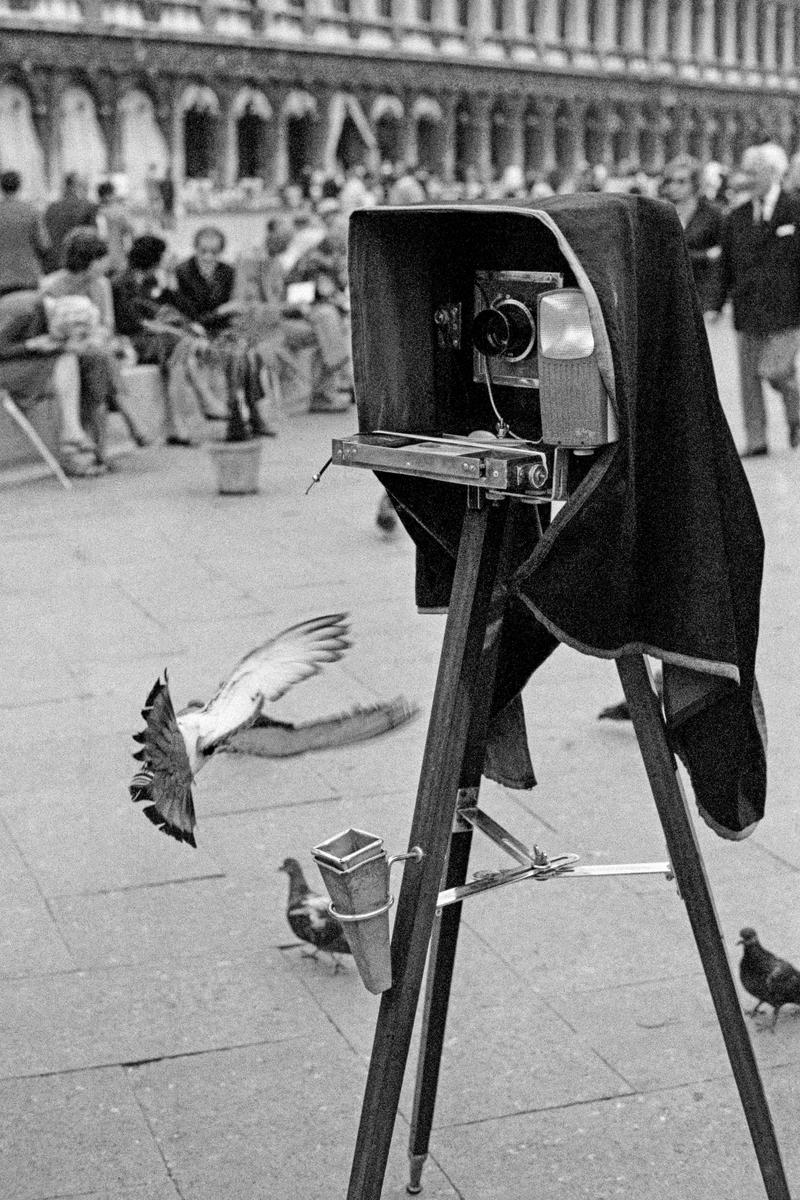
(175, 747)
(310, 917)
(771, 980)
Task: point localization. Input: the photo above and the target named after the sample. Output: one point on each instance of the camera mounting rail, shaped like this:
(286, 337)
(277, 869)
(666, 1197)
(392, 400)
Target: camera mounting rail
(514, 469)
(535, 864)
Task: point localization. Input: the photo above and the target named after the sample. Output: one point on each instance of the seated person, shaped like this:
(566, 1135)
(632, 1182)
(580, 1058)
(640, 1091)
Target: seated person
(139, 298)
(204, 294)
(314, 316)
(84, 256)
(37, 364)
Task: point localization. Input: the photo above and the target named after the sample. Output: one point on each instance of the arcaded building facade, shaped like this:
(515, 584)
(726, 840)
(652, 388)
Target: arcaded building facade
(232, 90)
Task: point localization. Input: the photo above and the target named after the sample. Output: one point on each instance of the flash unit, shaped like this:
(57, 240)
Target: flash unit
(576, 410)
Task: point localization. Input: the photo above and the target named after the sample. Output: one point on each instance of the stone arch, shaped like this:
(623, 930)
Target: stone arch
(251, 134)
(20, 149)
(429, 121)
(386, 115)
(143, 148)
(299, 115)
(595, 136)
(653, 139)
(566, 140)
(199, 113)
(81, 146)
(535, 149)
(350, 140)
(463, 131)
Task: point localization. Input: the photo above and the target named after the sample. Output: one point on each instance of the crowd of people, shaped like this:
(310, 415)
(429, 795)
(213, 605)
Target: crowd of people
(83, 293)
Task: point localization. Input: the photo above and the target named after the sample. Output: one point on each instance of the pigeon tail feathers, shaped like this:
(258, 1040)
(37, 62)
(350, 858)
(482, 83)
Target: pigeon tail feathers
(164, 782)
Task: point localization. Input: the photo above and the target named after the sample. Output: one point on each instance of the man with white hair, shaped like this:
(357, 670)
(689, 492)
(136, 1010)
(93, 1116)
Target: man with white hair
(760, 271)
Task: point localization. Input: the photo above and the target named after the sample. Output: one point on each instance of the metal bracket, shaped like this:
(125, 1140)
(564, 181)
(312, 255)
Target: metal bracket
(534, 864)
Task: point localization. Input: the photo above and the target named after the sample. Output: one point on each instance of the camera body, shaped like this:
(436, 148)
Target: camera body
(470, 320)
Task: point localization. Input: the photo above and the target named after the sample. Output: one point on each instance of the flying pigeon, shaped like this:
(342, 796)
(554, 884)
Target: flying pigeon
(175, 747)
(770, 979)
(309, 916)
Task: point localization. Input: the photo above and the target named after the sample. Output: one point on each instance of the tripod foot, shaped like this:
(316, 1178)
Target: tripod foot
(415, 1164)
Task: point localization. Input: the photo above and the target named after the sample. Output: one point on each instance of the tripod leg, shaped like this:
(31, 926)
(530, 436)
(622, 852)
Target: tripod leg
(437, 997)
(458, 686)
(694, 887)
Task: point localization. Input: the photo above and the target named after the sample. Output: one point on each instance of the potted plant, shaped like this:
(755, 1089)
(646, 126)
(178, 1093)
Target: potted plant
(238, 457)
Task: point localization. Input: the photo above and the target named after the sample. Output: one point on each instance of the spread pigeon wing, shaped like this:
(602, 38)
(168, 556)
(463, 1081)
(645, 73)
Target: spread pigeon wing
(164, 781)
(266, 674)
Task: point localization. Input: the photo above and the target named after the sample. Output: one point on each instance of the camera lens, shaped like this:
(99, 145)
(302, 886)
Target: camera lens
(506, 330)
(490, 332)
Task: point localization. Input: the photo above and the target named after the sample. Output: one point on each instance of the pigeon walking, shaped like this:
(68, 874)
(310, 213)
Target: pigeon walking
(771, 980)
(175, 747)
(310, 917)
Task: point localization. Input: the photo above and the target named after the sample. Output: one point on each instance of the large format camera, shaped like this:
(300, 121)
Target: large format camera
(470, 326)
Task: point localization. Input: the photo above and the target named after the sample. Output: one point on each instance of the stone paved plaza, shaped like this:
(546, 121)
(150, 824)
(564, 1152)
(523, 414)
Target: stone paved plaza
(161, 1035)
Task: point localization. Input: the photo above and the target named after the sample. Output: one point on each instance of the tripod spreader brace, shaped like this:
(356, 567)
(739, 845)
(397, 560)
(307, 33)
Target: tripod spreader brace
(535, 864)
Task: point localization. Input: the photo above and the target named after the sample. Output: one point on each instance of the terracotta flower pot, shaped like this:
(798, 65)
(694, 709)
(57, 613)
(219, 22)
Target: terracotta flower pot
(238, 465)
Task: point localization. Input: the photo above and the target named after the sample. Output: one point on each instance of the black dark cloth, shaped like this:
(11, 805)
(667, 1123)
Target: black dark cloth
(760, 267)
(659, 549)
(198, 298)
(702, 233)
(136, 299)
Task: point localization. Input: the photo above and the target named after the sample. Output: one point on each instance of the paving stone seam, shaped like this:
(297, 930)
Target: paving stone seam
(634, 1093)
(128, 1081)
(146, 885)
(575, 988)
(44, 899)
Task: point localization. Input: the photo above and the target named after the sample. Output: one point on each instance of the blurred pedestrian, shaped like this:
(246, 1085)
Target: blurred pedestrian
(702, 225)
(73, 209)
(23, 238)
(760, 271)
(114, 226)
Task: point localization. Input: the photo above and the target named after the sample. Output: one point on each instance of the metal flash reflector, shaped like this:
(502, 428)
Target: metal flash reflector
(576, 411)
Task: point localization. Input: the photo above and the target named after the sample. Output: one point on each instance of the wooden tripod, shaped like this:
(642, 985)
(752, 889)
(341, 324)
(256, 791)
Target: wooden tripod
(451, 770)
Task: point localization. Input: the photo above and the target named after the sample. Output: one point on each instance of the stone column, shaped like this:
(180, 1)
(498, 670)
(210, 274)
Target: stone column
(632, 35)
(516, 20)
(278, 168)
(548, 32)
(578, 24)
(730, 127)
(769, 17)
(706, 50)
(606, 16)
(448, 138)
(750, 56)
(320, 156)
(408, 132)
(176, 139)
(547, 115)
(729, 46)
(787, 17)
(512, 151)
(480, 155)
(659, 27)
(682, 50)
(479, 23)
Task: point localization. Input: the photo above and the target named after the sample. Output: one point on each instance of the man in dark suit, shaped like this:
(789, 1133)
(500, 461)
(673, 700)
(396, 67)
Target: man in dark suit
(760, 271)
(204, 295)
(205, 283)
